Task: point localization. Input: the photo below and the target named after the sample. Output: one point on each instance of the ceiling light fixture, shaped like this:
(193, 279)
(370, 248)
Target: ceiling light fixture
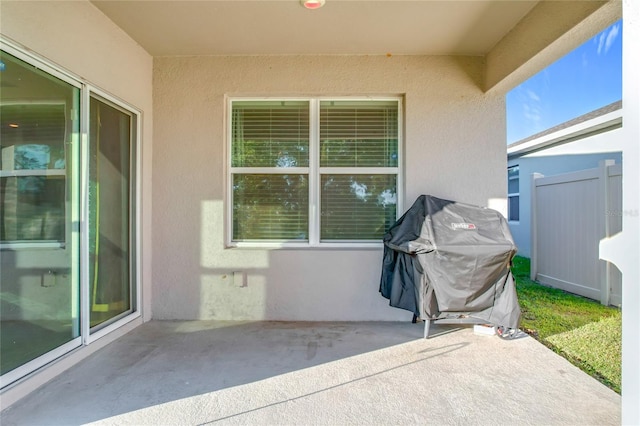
(14, 125)
(312, 4)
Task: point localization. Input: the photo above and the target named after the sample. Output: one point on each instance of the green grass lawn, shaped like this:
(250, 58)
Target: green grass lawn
(582, 330)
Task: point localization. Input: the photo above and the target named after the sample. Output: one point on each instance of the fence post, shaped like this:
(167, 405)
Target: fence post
(534, 226)
(604, 224)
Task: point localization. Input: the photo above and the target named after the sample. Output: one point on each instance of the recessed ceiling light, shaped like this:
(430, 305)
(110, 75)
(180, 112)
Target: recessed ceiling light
(14, 125)
(312, 4)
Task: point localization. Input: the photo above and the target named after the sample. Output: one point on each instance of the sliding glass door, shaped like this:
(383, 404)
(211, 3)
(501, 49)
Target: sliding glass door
(110, 143)
(39, 213)
(67, 214)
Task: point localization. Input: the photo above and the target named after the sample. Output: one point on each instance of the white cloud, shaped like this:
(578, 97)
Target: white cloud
(606, 39)
(532, 113)
(532, 107)
(533, 95)
(601, 41)
(611, 37)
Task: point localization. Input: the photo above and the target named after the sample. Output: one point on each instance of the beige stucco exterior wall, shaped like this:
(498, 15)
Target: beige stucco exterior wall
(79, 38)
(454, 148)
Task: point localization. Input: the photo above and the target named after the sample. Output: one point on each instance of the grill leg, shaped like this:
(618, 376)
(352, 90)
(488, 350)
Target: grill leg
(427, 324)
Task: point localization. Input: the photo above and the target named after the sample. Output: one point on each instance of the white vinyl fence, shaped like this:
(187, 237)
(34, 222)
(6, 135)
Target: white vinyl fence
(570, 214)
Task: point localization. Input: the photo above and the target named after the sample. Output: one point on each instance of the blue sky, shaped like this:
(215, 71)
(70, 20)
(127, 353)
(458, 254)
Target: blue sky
(585, 79)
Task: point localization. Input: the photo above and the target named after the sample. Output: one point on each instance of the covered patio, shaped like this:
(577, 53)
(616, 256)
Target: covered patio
(218, 372)
(185, 332)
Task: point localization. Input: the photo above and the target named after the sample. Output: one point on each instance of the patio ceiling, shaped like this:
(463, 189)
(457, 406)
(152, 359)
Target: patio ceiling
(507, 33)
(284, 27)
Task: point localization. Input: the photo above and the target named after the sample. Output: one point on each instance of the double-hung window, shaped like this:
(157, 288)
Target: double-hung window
(308, 172)
(513, 191)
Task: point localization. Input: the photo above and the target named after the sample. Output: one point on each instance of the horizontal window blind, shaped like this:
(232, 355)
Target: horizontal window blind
(270, 207)
(33, 208)
(33, 140)
(270, 134)
(358, 134)
(357, 207)
(349, 151)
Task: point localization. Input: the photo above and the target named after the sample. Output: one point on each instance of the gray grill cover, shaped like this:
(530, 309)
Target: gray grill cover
(444, 259)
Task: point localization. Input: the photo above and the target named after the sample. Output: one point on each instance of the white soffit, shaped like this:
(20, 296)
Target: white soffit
(284, 27)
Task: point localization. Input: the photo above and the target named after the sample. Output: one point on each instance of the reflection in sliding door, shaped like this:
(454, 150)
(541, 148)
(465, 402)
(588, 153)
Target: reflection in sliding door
(110, 188)
(39, 213)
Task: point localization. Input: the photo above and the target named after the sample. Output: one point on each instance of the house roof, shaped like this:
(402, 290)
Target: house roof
(597, 121)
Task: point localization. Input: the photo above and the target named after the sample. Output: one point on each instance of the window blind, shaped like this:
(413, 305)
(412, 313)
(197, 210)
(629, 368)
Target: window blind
(33, 139)
(270, 134)
(270, 207)
(357, 207)
(273, 163)
(358, 134)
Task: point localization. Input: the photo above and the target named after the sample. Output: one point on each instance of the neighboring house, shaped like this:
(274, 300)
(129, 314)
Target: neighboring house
(133, 183)
(578, 144)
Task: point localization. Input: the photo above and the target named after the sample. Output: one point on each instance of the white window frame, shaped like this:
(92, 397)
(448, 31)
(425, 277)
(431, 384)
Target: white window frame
(510, 195)
(31, 244)
(313, 171)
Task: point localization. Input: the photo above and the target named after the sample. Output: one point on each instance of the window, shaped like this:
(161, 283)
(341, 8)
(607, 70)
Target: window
(33, 173)
(313, 171)
(513, 191)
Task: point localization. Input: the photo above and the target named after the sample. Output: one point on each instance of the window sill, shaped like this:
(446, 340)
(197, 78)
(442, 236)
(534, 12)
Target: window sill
(32, 245)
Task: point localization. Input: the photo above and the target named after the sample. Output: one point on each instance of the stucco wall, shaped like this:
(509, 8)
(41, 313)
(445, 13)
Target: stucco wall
(454, 148)
(79, 38)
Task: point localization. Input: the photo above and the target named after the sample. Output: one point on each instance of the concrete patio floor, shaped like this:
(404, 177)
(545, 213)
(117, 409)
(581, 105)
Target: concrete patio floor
(201, 372)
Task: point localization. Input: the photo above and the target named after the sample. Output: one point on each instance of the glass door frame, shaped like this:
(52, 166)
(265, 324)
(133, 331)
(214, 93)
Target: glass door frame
(80, 215)
(90, 334)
